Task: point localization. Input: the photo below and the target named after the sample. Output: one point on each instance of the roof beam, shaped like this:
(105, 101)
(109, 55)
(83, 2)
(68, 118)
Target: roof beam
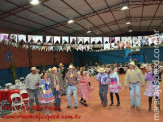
(123, 21)
(135, 28)
(116, 7)
(98, 15)
(18, 9)
(154, 16)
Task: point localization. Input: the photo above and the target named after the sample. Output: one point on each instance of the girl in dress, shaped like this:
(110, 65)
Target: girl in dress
(46, 93)
(84, 87)
(114, 85)
(151, 86)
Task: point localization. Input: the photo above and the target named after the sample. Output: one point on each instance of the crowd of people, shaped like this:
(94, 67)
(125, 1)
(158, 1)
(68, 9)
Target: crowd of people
(49, 86)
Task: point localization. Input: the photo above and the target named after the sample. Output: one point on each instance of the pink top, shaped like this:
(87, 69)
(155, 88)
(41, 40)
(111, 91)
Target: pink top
(84, 79)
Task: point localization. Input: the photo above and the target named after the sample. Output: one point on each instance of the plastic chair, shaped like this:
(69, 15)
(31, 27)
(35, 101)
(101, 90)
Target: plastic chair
(16, 102)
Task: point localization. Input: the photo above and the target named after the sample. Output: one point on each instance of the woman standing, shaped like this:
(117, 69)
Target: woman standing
(84, 87)
(114, 85)
(46, 93)
(151, 86)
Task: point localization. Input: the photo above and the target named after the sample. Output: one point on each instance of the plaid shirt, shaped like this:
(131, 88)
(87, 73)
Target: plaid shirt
(72, 78)
(103, 78)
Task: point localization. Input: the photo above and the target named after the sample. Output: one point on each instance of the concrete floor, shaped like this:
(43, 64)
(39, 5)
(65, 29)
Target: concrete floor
(95, 112)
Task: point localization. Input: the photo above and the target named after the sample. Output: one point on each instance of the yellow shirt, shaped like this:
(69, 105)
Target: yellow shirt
(134, 76)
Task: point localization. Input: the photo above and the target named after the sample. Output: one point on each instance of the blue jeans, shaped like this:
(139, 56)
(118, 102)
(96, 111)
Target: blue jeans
(74, 90)
(103, 90)
(135, 88)
(57, 95)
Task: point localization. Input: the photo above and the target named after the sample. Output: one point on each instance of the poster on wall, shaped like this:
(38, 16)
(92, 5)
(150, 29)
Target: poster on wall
(49, 39)
(35, 41)
(4, 37)
(73, 40)
(57, 39)
(112, 41)
(129, 42)
(161, 40)
(49, 43)
(144, 41)
(13, 38)
(87, 40)
(115, 45)
(65, 40)
(80, 40)
(106, 43)
(22, 38)
(96, 40)
(153, 40)
(136, 42)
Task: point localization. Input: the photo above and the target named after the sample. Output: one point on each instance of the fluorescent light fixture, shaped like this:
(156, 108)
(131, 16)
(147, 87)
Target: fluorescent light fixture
(71, 21)
(89, 31)
(130, 31)
(128, 23)
(125, 7)
(34, 2)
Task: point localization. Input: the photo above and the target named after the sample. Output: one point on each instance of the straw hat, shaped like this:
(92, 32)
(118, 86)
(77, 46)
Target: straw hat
(38, 70)
(54, 68)
(132, 63)
(33, 68)
(49, 69)
(71, 67)
(81, 68)
(101, 70)
(60, 64)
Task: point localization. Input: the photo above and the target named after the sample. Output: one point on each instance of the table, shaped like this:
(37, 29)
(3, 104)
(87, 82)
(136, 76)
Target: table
(18, 86)
(6, 94)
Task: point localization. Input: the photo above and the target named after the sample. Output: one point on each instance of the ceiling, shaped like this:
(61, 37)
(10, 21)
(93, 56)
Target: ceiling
(102, 17)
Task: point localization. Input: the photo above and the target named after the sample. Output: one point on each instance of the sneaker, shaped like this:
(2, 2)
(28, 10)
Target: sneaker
(132, 107)
(75, 107)
(68, 106)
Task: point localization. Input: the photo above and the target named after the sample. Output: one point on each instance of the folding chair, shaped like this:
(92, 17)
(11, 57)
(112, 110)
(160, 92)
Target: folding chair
(15, 102)
(24, 100)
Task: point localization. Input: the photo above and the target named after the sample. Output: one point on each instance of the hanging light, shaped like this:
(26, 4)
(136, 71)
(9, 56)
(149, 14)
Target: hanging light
(125, 7)
(128, 23)
(89, 31)
(130, 31)
(34, 2)
(71, 21)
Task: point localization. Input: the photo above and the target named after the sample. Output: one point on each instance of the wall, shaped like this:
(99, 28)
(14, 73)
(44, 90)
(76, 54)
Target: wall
(113, 56)
(21, 59)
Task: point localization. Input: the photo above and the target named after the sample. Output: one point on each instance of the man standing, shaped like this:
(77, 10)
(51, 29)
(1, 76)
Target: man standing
(103, 80)
(32, 85)
(72, 80)
(56, 86)
(62, 71)
(134, 76)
